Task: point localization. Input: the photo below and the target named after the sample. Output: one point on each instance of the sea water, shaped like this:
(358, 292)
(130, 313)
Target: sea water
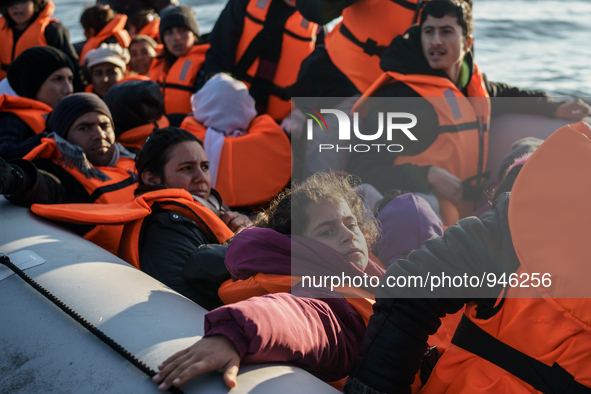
(533, 44)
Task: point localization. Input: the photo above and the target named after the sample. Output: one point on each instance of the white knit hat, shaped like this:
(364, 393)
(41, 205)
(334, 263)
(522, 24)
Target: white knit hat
(108, 53)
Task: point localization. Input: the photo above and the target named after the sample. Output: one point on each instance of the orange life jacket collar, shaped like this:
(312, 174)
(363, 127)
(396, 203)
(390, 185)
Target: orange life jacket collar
(32, 112)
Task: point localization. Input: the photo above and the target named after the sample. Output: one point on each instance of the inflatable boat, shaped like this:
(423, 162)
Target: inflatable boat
(42, 349)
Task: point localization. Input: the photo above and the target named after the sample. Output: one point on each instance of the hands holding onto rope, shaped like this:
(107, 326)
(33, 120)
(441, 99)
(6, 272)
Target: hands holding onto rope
(215, 353)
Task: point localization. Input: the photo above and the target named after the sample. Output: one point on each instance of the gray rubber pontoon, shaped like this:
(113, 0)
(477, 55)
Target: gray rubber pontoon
(43, 350)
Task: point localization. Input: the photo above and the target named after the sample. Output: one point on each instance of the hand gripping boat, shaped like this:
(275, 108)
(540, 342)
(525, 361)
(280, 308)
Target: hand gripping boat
(44, 350)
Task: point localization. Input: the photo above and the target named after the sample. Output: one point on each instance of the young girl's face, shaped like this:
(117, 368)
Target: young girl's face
(22, 12)
(335, 226)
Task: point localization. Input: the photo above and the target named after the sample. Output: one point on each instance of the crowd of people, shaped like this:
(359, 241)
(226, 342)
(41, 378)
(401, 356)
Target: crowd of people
(176, 151)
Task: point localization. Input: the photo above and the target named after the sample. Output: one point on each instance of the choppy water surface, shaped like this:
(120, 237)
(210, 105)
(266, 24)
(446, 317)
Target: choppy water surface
(533, 44)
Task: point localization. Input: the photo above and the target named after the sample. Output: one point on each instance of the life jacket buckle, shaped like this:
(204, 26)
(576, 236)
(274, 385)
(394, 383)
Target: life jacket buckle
(372, 48)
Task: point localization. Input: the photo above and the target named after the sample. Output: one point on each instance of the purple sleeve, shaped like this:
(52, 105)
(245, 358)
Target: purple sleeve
(321, 336)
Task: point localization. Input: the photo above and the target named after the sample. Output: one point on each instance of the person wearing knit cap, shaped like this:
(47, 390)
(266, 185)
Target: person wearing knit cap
(41, 76)
(137, 109)
(106, 66)
(78, 157)
(42, 73)
(177, 70)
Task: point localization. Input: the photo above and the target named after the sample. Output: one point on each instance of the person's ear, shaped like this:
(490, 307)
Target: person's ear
(90, 32)
(468, 43)
(150, 179)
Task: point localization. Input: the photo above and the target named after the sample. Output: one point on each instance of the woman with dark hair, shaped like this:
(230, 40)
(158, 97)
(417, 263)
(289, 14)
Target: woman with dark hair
(177, 68)
(175, 210)
(29, 23)
(173, 158)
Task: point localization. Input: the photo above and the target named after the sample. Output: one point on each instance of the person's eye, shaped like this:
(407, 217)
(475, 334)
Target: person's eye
(325, 233)
(352, 226)
(185, 169)
(205, 167)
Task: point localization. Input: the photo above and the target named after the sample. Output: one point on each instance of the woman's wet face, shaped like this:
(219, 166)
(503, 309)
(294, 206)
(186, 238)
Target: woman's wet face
(335, 226)
(188, 168)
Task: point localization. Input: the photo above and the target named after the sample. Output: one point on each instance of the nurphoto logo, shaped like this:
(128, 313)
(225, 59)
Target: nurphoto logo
(394, 123)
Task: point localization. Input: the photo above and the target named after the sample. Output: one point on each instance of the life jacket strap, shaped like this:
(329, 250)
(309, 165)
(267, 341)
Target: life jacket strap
(370, 46)
(548, 380)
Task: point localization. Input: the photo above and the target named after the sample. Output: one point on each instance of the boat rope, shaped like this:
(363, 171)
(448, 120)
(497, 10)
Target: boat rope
(83, 322)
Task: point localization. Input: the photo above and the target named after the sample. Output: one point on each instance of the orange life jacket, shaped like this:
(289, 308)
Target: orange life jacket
(462, 145)
(356, 44)
(115, 28)
(254, 167)
(134, 138)
(152, 30)
(178, 83)
(32, 112)
(299, 38)
(552, 324)
(34, 35)
(120, 188)
(132, 214)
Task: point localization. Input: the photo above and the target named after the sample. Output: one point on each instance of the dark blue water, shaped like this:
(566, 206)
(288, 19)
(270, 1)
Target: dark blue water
(533, 44)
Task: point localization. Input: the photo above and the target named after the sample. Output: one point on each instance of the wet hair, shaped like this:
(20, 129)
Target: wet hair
(39, 5)
(286, 214)
(462, 10)
(97, 17)
(155, 152)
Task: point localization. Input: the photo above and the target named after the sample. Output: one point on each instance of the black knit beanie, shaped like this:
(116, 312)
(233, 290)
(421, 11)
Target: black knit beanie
(33, 66)
(71, 108)
(181, 16)
(134, 104)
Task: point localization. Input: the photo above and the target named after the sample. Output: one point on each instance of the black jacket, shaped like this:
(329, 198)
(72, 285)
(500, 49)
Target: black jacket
(174, 250)
(404, 55)
(396, 337)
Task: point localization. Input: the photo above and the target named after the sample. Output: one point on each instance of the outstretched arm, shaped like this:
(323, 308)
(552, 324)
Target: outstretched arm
(321, 336)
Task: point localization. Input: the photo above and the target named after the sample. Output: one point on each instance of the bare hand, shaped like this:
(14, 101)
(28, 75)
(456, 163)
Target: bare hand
(445, 184)
(215, 353)
(236, 221)
(575, 109)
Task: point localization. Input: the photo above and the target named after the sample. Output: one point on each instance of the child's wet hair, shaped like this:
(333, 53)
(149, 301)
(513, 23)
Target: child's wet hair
(286, 214)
